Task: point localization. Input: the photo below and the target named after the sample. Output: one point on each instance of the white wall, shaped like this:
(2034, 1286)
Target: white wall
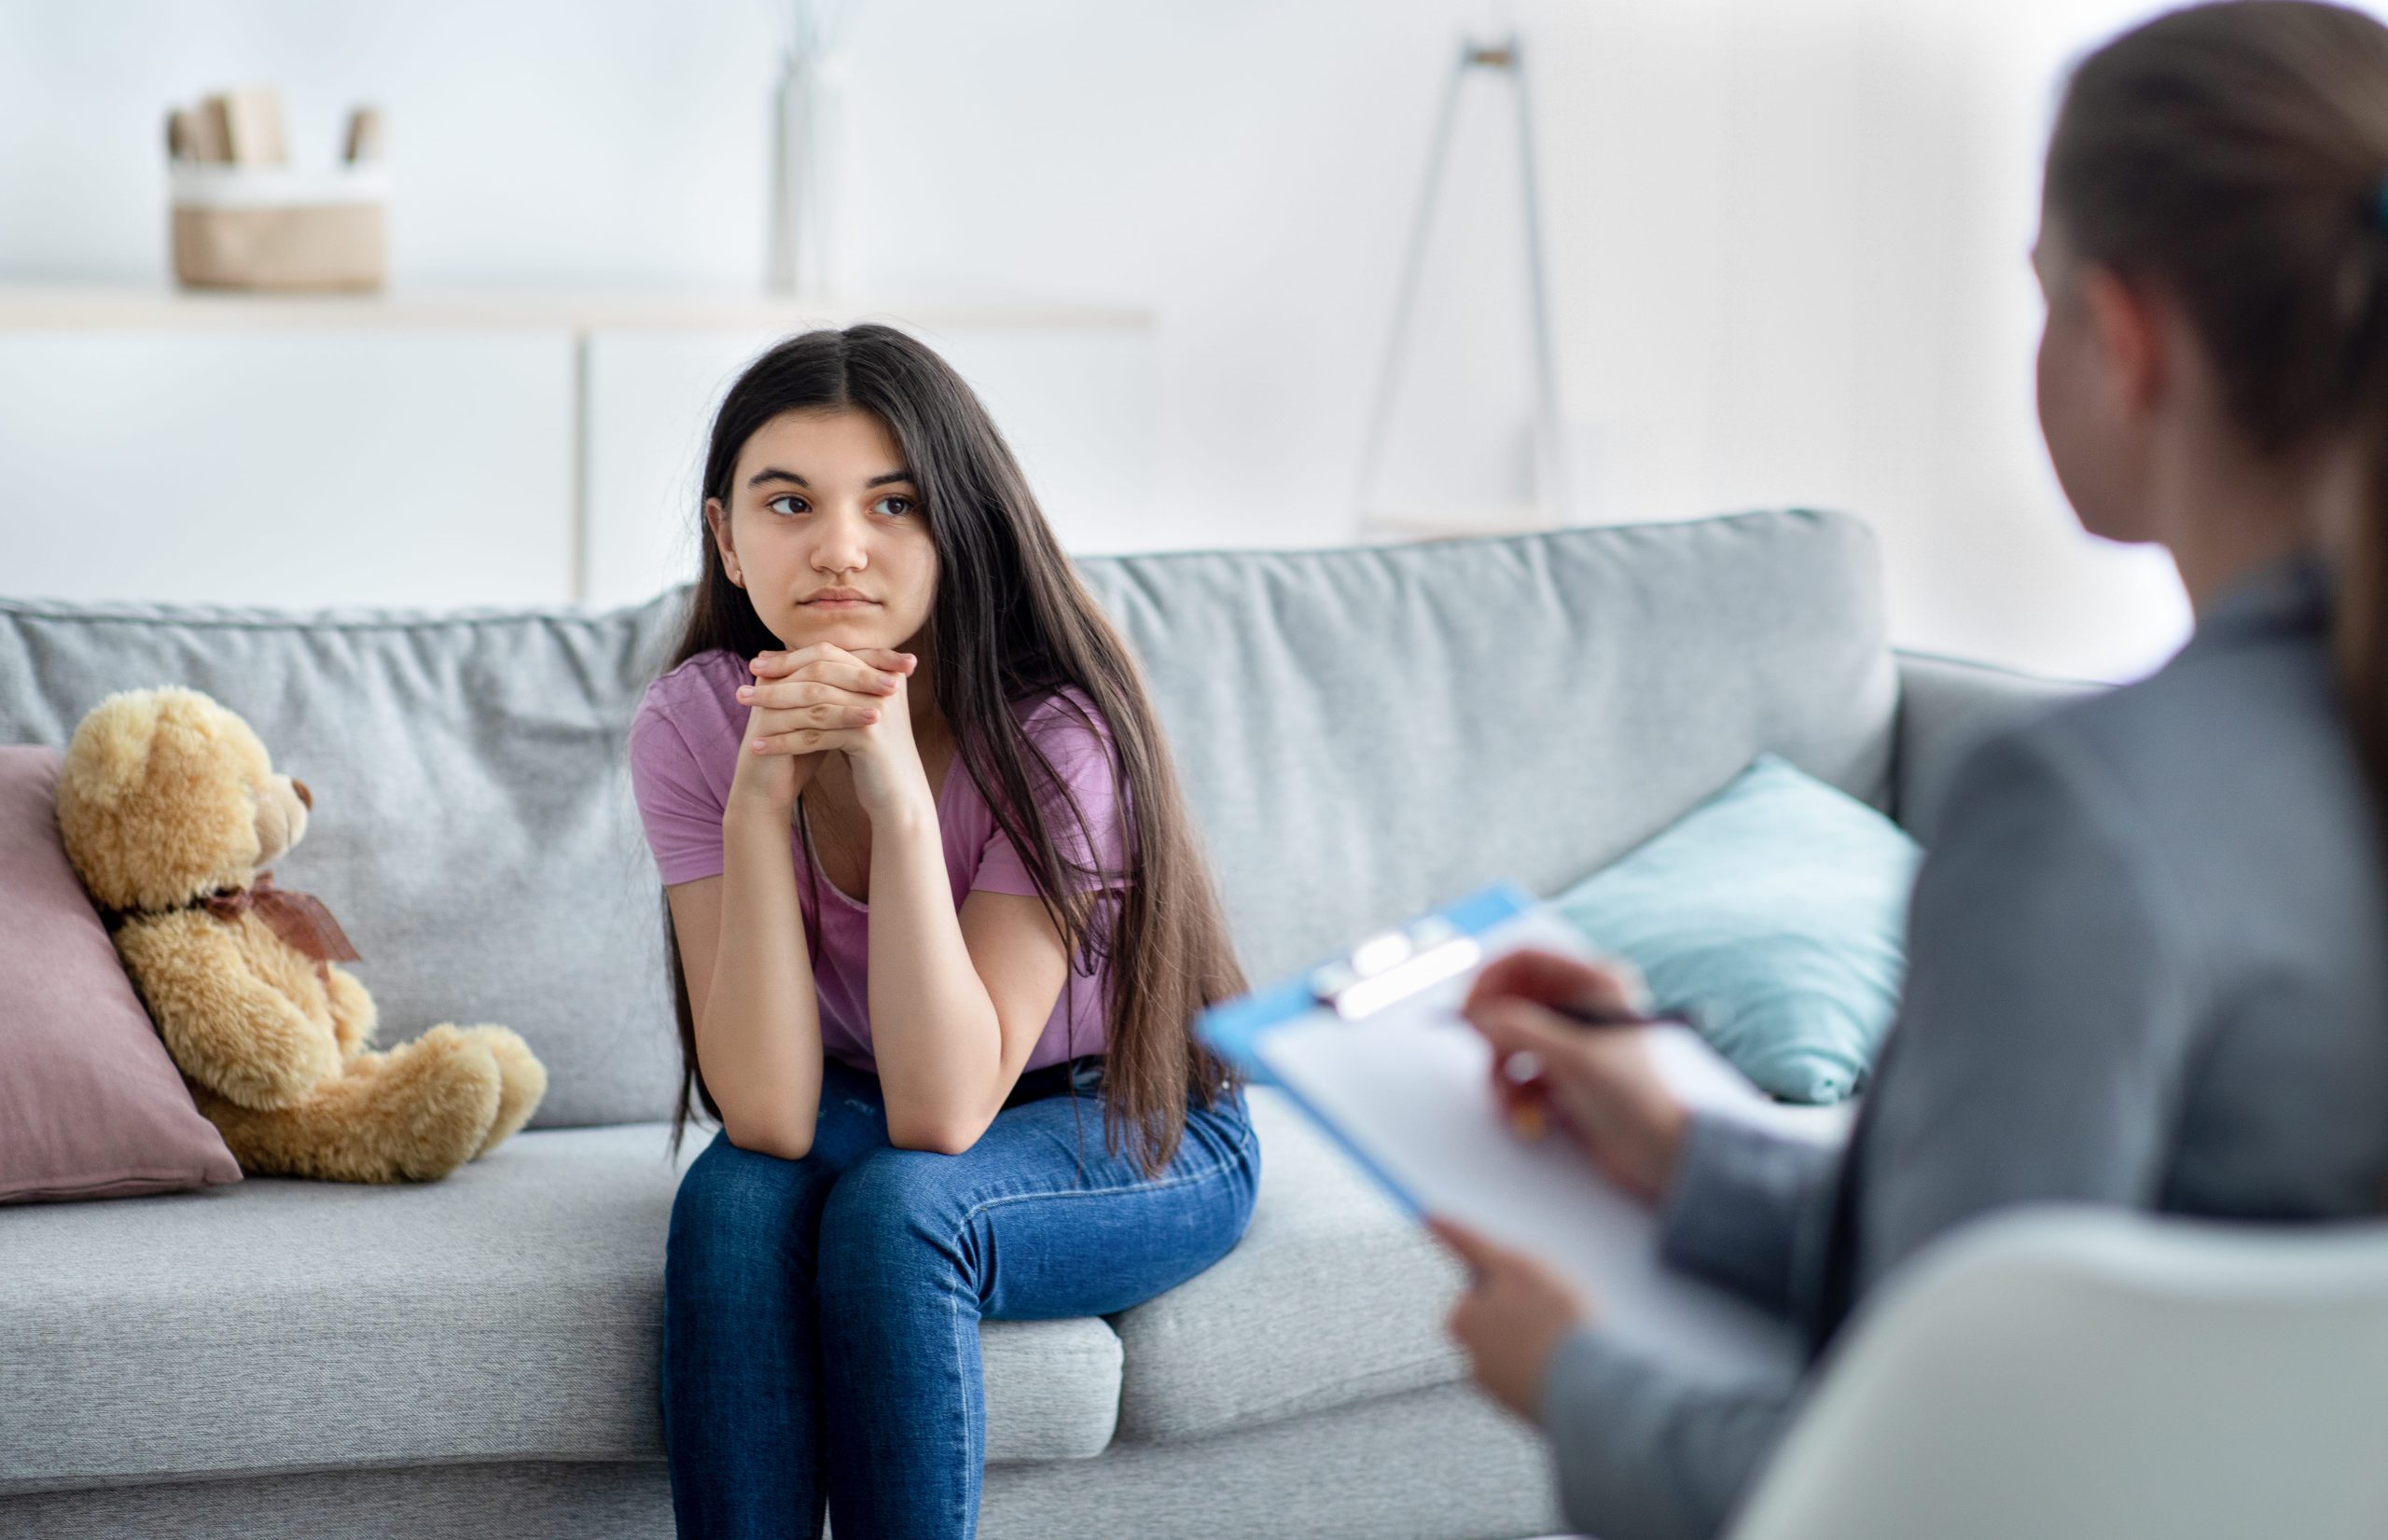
(1796, 270)
(1787, 236)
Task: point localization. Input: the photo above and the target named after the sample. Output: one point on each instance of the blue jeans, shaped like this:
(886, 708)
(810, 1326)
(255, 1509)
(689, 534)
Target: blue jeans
(821, 1316)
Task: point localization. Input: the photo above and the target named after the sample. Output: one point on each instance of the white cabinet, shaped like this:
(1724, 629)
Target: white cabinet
(447, 449)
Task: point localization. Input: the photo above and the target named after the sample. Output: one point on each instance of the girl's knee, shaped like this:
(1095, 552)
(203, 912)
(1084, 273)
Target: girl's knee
(736, 1207)
(892, 1205)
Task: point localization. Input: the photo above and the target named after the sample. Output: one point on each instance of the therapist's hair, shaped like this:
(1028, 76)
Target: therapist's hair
(2236, 155)
(1010, 622)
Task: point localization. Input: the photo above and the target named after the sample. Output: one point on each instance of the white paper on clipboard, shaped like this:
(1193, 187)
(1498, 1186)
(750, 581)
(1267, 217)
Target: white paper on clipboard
(1408, 1085)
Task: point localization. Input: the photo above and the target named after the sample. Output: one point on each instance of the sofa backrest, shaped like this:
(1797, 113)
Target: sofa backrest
(1362, 732)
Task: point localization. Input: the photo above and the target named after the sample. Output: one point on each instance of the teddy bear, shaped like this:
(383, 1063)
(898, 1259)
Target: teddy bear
(171, 812)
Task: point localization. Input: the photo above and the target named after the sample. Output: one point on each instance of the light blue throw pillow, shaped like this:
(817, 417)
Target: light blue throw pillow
(1774, 915)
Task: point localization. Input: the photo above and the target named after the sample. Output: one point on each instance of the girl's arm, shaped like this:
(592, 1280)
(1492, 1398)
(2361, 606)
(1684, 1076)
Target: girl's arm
(758, 1018)
(957, 1000)
(750, 992)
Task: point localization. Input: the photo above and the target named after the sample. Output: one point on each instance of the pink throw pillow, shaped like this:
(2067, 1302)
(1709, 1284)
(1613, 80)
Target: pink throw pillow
(90, 1104)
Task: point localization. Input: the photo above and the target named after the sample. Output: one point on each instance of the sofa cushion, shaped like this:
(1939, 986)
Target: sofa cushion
(1346, 721)
(512, 1311)
(1332, 1296)
(1774, 914)
(473, 829)
(1335, 716)
(91, 1103)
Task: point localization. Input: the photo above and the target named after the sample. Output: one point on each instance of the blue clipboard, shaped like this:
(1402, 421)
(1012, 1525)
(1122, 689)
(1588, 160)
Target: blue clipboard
(1382, 970)
(1373, 1055)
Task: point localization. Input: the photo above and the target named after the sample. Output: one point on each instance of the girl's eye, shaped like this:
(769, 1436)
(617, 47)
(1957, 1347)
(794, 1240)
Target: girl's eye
(784, 497)
(900, 506)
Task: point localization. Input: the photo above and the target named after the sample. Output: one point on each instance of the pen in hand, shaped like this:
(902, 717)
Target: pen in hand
(1527, 1110)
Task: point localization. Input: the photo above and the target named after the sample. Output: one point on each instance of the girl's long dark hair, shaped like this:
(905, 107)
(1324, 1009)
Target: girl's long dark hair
(1010, 622)
(2237, 155)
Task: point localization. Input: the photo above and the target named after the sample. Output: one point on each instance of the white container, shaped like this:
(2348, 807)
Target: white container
(240, 227)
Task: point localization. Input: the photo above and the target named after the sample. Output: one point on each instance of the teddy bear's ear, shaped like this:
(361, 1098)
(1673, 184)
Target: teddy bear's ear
(110, 752)
(154, 801)
(203, 758)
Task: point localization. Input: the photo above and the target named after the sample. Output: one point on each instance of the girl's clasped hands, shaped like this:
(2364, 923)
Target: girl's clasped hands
(819, 700)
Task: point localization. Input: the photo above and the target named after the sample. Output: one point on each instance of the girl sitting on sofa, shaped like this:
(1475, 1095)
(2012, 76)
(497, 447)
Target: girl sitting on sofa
(938, 924)
(2147, 950)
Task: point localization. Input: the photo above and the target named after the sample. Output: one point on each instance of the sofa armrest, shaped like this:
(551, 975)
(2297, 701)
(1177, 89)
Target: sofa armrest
(1946, 705)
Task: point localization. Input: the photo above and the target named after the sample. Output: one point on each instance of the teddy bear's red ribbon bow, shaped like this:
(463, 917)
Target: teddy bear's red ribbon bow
(298, 918)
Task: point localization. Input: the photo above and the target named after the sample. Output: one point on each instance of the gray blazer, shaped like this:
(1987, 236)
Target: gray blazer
(2147, 965)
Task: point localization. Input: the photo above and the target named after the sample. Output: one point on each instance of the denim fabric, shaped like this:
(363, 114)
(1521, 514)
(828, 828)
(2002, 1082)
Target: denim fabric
(821, 1315)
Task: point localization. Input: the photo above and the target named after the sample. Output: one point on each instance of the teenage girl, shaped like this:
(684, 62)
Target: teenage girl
(937, 926)
(2148, 951)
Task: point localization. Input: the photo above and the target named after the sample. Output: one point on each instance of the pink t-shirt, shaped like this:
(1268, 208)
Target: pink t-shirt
(683, 744)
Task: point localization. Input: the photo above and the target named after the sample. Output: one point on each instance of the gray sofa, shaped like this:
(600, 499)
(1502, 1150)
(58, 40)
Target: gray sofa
(1364, 732)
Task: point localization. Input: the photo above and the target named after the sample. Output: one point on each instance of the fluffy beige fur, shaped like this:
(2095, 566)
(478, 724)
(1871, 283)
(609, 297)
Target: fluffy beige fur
(167, 797)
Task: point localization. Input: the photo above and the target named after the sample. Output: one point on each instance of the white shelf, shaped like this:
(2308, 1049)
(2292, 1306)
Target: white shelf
(158, 307)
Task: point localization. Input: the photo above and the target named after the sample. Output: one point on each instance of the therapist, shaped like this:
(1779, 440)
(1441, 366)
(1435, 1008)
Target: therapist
(2147, 955)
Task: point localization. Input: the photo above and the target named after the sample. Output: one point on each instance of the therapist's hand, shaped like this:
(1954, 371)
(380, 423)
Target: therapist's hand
(1511, 1319)
(1598, 1082)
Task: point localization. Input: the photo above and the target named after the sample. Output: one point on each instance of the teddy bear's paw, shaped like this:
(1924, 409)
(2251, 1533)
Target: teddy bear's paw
(403, 1117)
(273, 1060)
(354, 1016)
(429, 1103)
(229, 1026)
(525, 1082)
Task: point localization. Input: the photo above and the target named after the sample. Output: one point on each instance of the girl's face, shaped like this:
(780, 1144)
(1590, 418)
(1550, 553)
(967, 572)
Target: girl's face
(2093, 363)
(826, 533)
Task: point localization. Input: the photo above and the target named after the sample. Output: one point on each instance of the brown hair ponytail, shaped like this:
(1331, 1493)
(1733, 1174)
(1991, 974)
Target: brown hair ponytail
(2237, 155)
